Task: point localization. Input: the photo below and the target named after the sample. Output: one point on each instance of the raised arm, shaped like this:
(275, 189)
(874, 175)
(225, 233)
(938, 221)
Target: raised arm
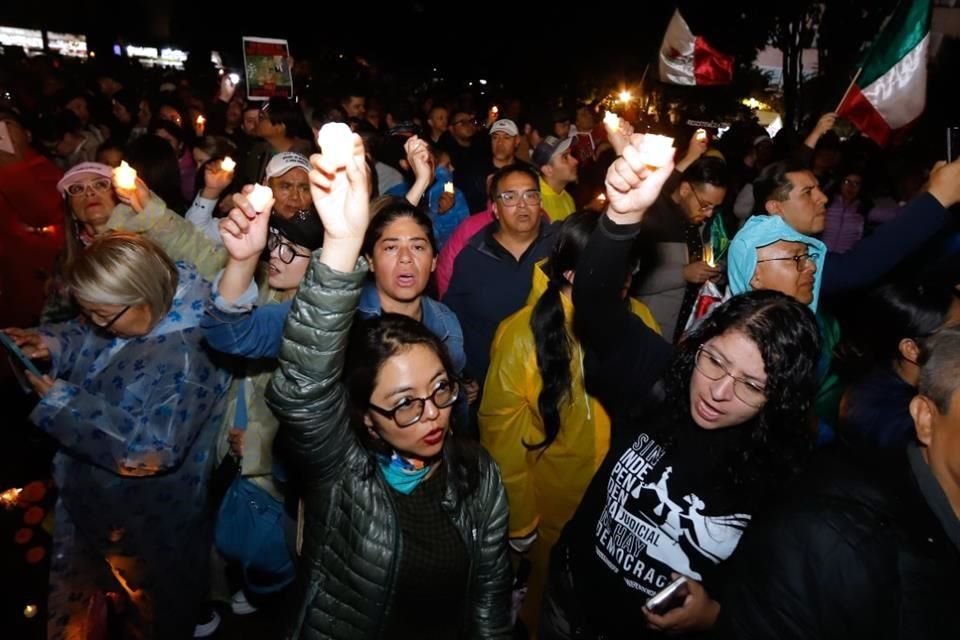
(623, 356)
(144, 212)
(890, 244)
(306, 393)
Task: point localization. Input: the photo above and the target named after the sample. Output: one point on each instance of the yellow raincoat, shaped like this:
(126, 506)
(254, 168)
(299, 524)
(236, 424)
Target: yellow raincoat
(544, 487)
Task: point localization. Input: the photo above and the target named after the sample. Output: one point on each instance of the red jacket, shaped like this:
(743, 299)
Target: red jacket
(31, 236)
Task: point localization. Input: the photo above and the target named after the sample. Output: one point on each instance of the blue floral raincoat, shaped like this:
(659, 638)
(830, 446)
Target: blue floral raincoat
(136, 419)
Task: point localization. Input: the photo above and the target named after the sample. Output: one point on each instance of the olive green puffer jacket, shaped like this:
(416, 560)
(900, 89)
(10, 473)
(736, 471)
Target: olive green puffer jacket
(351, 541)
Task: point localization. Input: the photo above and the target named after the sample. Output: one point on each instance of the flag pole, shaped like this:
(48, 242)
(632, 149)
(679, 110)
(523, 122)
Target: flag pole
(849, 87)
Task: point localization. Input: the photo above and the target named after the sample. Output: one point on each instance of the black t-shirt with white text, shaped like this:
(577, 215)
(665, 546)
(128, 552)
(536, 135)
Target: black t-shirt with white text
(650, 511)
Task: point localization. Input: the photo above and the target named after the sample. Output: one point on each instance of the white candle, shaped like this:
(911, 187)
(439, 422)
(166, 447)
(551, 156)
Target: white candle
(612, 121)
(656, 151)
(258, 197)
(125, 177)
(702, 135)
(200, 120)
(448, 187)
(228, 165)
(336, 142)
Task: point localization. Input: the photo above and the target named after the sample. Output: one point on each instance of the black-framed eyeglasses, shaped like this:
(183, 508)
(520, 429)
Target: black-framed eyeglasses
(710, 365)
(800, 260)
(285, 250)
(704, 206)
(513, 198)
(100, 185)
(95, 317)
(410, 410)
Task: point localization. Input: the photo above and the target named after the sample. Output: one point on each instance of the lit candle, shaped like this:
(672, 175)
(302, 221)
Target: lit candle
(336, 142)
(656, 151)
(701, 135)
(448, 187)
(495, 109)
(30, 611)
(9, 497)
(258, 197)
(201, 121)
(602, 197)
(612, 121)
(708, 254)
(228, 165)
(125, 177)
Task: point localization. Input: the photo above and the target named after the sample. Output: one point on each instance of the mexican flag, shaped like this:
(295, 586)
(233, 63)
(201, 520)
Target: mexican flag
(689, 59)
(891, 89)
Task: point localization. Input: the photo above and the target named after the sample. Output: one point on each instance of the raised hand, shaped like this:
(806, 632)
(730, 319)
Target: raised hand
(342, 196)
(418, 156)
(215, 180)
(137, 198)
(632, 187)
(945, 183)
(824, 124)
(619, 137)
(244, 231)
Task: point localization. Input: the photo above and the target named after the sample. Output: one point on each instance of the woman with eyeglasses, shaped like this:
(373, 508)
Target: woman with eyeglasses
(250, 299)
(405, 523)
(694, 453)
(89, 199)
(130, 397)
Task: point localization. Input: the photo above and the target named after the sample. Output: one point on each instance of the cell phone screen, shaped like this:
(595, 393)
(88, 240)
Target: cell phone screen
(17, 359)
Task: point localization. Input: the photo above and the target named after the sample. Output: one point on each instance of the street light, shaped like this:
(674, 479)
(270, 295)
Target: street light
(625, 96)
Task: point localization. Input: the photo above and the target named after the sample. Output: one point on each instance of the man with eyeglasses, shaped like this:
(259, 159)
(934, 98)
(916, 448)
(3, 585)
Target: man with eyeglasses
(31, 223)
(492, 273)
(674, 268)
(770, 254)
(791, 191)
(470, 155)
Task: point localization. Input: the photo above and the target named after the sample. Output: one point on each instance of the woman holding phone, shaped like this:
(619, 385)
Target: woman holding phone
(694, 452)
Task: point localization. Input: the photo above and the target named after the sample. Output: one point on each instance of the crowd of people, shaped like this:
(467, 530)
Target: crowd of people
(492, 374)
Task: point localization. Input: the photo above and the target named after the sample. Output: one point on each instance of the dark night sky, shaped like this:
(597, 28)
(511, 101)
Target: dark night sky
(527, 35)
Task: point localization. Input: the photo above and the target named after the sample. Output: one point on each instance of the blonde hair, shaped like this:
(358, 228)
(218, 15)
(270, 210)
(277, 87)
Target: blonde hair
(123, 269)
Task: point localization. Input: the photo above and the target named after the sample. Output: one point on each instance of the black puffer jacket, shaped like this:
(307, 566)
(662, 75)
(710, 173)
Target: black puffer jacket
(855, 552)
(351, 543)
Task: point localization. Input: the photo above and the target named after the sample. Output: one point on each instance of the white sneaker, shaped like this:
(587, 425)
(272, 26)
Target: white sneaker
(209, 626)
(240, 605)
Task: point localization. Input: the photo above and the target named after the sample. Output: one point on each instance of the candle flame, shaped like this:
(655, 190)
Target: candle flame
(125, 176)
(612, 121)
(9, 497)
(228, 164)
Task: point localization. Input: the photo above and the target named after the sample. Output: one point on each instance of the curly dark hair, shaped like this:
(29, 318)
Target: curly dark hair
(776, 442)
(372, 342)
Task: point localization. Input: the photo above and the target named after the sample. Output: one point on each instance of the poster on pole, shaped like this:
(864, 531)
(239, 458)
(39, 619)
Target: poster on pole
(266, 63)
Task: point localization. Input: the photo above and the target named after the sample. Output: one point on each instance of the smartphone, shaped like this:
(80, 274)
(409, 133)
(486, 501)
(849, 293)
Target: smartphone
(670, 597)
(953, 143)
(17, 355)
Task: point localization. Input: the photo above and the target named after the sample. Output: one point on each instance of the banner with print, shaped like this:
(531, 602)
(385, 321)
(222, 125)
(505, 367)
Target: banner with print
(266, 63)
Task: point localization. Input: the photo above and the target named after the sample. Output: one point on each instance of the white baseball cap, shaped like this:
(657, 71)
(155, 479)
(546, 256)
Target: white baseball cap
(283, 162)
(507, 126)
